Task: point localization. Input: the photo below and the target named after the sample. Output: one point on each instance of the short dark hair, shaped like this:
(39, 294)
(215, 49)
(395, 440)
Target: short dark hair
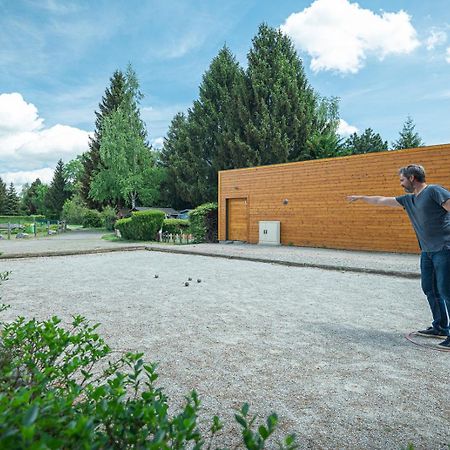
(413, 170)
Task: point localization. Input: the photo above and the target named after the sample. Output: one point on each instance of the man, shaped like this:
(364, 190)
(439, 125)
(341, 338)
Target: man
(428, 207)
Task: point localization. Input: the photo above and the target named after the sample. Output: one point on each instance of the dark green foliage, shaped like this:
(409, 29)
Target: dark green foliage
(203, 220)
(175, 226)
(57, 193)
(199, 145)
(111, 100)
(141, 226)
(179, 177)
(367, 142)
(407, 137)
(31, 202)
(282, 103)
(12, 201)
(264, 115)
(2, 196)
(92, 219)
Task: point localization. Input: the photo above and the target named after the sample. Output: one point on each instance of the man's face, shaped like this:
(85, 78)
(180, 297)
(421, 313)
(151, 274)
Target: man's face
(407, 183)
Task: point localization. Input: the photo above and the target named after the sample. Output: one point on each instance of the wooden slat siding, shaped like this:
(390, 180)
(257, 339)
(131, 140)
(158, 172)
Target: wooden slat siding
(318, 214)
(237, 219)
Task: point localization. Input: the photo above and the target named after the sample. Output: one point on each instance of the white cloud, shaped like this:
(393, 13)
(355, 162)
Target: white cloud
(16, 115)
(435, 38)
(21, 177)
(26, 145)
(340, 35)
(344, 129)
(158, 142)
(447, 55)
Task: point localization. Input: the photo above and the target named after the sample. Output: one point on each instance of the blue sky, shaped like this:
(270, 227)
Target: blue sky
(385, 60)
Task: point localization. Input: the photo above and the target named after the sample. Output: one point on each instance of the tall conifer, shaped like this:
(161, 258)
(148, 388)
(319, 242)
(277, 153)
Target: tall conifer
(111, 100)
(57, 193)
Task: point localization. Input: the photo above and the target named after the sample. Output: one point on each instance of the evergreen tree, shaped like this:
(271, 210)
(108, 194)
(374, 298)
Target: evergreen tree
(12, 201)
(211, 129)
(111, 100)
(29, 200)
(367, 142)
(407, 137)
(127, 163)
(281, 100)
(2, 197)
(58, 192)
(179, 186)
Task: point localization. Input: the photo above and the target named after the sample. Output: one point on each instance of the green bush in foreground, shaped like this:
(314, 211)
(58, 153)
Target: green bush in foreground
(52, 396)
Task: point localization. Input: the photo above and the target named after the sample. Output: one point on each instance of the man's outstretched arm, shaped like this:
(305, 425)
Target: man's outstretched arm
(375, 200)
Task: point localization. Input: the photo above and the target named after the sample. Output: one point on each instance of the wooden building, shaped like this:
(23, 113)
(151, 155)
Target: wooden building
(309, 200)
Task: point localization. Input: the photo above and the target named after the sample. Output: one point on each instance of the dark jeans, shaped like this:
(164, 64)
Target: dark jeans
(435, 270)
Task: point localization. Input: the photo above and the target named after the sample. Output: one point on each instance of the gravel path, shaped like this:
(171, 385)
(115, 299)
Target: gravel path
(87, 241)
(324, 349)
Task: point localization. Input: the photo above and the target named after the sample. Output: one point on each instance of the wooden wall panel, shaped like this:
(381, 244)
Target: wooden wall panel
(317, 213)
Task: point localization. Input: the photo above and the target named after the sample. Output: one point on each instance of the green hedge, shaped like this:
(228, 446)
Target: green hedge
(175, 226)
(141, 226)
(203, 220)
(18, 219)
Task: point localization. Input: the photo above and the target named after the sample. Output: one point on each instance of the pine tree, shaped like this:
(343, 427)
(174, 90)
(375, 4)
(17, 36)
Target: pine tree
(179, 187)
(57, 193)
(203, 142)
(2, 197)
(12, 201)
(281, 100)
(407, 137)
(111, 100)
(367, 142)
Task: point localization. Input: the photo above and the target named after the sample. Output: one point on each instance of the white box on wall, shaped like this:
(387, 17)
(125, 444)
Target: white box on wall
(269, 232)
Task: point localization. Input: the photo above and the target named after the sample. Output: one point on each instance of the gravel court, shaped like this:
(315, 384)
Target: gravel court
(324, 349)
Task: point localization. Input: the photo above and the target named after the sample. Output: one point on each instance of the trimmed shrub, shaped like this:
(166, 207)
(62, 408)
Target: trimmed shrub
(175, 226)
(203, 220)
(92, 219)
(141, 226)
(124, 226)
(109, 217)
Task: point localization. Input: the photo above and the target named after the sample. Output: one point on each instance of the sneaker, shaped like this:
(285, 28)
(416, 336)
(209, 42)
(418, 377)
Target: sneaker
(431, 332)
(445, 344)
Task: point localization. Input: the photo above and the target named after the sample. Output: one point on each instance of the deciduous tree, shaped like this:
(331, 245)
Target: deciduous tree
(111, 100)
(127, 163)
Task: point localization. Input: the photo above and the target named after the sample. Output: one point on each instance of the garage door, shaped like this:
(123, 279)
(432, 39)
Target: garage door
(237, 226)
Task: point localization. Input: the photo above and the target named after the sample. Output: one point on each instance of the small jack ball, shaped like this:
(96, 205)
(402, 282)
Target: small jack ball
(186, 283)
(189, 279)
(156, 276)
(198, 280)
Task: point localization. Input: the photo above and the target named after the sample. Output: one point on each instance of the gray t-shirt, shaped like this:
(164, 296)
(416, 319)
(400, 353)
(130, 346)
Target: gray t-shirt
(430, 220)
